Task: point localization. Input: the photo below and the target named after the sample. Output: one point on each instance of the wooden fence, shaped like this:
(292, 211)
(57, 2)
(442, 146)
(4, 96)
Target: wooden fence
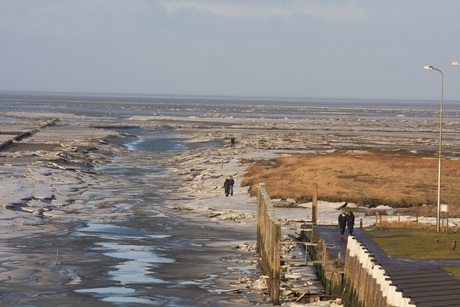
(269, 243)
(366, 282)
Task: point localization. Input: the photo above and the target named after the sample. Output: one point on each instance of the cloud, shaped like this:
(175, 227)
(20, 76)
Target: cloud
(240, 9)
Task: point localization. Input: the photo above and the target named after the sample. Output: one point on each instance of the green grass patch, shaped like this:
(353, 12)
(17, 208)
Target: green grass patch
(454, 270)
(417, 243)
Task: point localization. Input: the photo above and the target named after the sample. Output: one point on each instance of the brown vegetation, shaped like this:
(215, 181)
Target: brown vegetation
(399, 179)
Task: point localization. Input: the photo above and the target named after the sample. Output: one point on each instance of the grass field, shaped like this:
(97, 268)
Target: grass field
(397, 179)
(418, 243)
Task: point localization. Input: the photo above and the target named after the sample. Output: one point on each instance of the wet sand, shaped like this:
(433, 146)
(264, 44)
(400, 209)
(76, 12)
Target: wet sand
(83, 224)
(73, 223)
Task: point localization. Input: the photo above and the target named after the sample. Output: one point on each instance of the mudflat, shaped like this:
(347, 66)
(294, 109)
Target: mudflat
(83, 223)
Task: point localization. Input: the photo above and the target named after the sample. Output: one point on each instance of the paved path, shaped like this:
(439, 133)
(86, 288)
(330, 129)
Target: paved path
(423, 281)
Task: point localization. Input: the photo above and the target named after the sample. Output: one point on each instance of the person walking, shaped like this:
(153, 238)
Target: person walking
(350, 222)
(342, 223)
(228, 186)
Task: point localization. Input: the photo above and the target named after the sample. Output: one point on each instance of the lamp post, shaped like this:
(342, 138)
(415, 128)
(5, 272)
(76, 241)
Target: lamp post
(440, 146)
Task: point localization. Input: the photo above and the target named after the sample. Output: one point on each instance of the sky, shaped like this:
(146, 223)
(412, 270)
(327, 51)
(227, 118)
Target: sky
(285, 48)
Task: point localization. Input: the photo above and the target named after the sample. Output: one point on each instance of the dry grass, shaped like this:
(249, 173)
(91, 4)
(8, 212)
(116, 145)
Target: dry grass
(367, 178)
(454, 210)
(388, 225)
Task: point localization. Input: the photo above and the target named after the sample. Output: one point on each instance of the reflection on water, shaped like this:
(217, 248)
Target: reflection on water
(159, 141)
(135, 266)
(120, 295)
(137, 262)
(158, 144)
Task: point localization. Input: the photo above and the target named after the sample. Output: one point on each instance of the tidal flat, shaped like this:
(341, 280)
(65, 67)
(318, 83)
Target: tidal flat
(94, 213)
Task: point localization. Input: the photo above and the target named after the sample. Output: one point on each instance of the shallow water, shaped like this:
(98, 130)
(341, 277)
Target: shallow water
(135, 260)
(128, 249)
(112, 107)
(145, 241)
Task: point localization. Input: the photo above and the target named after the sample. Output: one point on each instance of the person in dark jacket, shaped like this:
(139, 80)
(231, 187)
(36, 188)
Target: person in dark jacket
(228, 186)
(342, 223)
(350, 222)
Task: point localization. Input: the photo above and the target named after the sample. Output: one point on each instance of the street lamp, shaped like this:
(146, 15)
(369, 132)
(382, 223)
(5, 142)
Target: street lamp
(456, 63)
(440, 146)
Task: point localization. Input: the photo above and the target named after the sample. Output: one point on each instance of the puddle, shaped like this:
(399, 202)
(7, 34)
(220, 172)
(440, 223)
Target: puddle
(107, 231)
(129, 299)
(108, 290)
(158, 213)
(120, 295)
(135, 265)
(159, 236)
(244, 269)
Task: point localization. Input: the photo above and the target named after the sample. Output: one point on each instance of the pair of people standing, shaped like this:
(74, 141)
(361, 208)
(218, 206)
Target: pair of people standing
(346, 220)
(228, 186)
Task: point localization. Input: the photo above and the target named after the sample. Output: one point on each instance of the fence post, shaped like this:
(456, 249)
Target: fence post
(377, 218)
(314, 207)
(259, 217)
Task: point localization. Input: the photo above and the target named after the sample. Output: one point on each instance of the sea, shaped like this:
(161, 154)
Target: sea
(156, 256)
(266, 107)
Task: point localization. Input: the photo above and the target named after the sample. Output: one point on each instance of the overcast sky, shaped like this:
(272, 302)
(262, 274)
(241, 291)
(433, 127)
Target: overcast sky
(311, 48)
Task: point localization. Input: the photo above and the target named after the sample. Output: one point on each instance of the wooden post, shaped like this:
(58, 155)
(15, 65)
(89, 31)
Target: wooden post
(276, 264)
(314, 207)
(324, 253)
(447, 221)
(259, 217)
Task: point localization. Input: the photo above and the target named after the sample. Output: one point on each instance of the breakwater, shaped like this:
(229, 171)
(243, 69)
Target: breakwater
(268, 243)
(22, 130)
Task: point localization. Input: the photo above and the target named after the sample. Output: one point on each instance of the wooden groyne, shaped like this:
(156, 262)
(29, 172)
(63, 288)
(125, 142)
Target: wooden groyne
(269, 247)
(269, 243)
(18, 135)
